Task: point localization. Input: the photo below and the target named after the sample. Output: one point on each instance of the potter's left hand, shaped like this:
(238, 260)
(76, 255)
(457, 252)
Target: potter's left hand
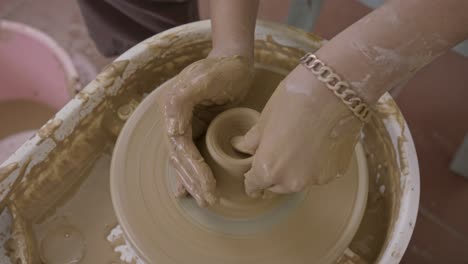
(197, 94)
(207, 87)
(305, 135)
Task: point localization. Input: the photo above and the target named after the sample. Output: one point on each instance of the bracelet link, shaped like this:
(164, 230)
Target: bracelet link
(339, 87)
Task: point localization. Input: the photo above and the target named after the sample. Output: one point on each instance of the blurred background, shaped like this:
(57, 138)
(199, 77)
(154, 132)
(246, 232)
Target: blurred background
(434, 102)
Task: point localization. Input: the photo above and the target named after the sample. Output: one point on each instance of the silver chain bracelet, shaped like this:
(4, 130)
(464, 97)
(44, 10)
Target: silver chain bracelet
(339, 87)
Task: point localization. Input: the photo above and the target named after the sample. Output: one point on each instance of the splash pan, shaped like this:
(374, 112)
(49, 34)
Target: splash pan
(55, 189)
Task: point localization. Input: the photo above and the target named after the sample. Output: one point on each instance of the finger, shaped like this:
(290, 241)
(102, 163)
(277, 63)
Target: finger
(249, 142)
(254, 185)
(195, 174)
(178, 114)
(169, 103)
(189, 186)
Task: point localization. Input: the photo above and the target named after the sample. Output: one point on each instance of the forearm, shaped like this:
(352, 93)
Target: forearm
(233, 27)
(385, 48)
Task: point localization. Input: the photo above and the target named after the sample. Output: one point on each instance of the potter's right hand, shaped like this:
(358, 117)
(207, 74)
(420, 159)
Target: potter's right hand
(305, 136)
(197, 94)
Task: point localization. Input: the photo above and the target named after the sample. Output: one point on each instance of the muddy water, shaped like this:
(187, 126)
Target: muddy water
(19, 120)
(77, 231)
(21, 115)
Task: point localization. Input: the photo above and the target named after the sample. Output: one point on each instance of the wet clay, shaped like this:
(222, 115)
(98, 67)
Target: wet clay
(163, 229)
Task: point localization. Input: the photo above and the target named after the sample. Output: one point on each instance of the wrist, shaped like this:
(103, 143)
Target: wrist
(337, 85)
(317, 94)
(353, 68)
(302, 81)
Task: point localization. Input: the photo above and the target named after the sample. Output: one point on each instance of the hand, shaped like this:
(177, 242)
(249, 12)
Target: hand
(196, 95)
(305, 135)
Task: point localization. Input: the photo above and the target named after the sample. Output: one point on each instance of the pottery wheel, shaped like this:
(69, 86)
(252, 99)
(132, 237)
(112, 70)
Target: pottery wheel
(314, 226)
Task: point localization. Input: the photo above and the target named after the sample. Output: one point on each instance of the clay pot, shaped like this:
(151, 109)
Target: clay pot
(229, 165)
(228, 162)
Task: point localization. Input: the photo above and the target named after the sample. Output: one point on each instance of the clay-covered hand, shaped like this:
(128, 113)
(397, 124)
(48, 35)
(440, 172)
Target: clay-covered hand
(305, 135)
(188, 103)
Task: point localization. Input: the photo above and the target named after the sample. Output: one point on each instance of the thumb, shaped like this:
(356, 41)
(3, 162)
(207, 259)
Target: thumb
(249, 142)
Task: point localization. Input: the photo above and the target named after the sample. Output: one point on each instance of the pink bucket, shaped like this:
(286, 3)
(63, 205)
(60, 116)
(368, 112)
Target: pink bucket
(34, 72)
